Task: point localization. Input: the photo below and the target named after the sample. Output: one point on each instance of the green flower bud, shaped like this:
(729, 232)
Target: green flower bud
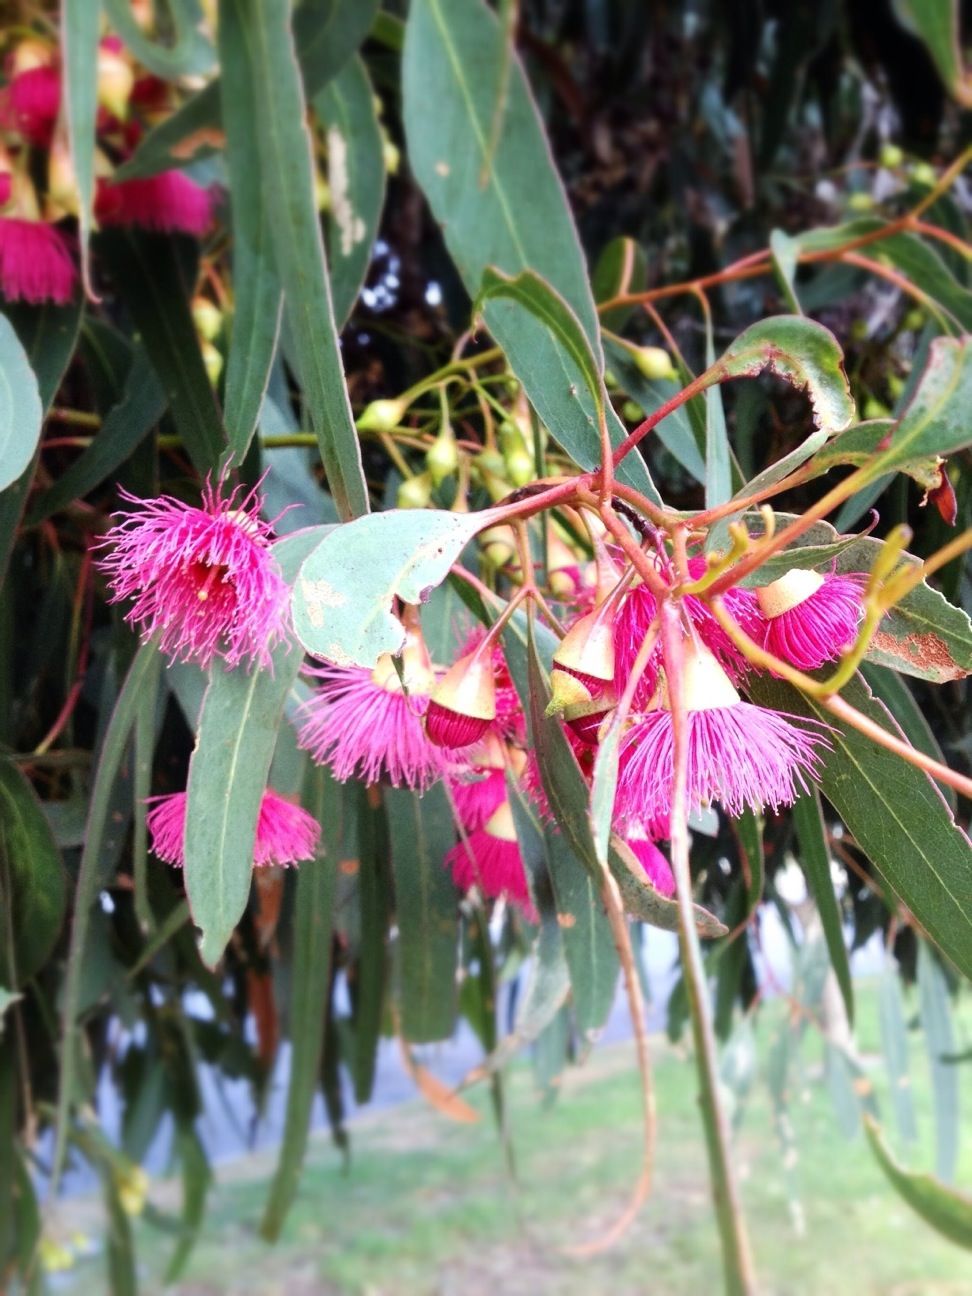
(875, 409)
(442, 456)
(860, 202)
(632, 412)
(891, 156)
(519, 467)
(381, 415)
(415, 492)
(207, 317)
(914, 320)
(654, 362)
(213, 360)
(923, 174)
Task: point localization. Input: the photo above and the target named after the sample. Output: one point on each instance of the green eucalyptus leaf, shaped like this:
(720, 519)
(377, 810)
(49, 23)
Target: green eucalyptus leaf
(858, 445)
(257, 297)
(355, 178)
(814, 858)
(503, 207)
(936, 1021)
(894, 1044)
(937, 23)
(155, 276)
(421, 830)
(343, 596)
(935, 420)
(288, 189)
(896, 814)
(946, 1210)
(190, 52)
(79, 44)
(20, 407)
(33, 883)
(313, 919)
(237, 732)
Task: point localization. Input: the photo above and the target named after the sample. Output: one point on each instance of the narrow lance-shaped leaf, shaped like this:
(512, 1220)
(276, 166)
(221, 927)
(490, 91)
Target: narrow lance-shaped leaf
(241, 714)
(894, 1044)
(815, 860)
(896, 815)
(502, 206)
(154, 276)
(79, 45)
(313, 915)
(287, 179)
(946, 1210)
(33, 883)
(188, 54)
(936, 1021)
(935, 421)
(355, 178)
(327, 33)
(113, 747)
(421, 831)
(257, 296)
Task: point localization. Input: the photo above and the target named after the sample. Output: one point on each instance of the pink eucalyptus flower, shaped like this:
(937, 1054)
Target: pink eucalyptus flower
(35, 263)
(509, 712)
(739, 755)
(30, 103)
(361, 724)
(167, 203)
(490, 859)
(656, 866)
(478, 796)
(638, 611)
(204, 579)
(285, 833)
(809, 617)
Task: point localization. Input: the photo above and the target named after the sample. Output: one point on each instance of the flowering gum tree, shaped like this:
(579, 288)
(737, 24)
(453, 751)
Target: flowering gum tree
(385, 621)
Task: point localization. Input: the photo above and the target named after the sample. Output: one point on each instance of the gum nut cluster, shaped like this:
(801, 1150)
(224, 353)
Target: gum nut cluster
(202, 579)
(37, 241)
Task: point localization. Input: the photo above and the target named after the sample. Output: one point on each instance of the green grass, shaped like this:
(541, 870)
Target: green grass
(428, 1208)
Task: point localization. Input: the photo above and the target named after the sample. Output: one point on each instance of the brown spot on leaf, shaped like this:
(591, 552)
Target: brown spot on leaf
(349, 867)
(566, 920)
(924, 650)
(189, 145)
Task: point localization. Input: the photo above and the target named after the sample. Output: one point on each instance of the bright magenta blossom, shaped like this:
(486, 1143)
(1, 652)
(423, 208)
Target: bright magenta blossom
(478, 796)
(35, 263)
(285, 834)
(168, 203)
(490, 859)
(361, 723)
(204, 579)
(810, 618)
(30, 102)
(739, 755)
(639, 609)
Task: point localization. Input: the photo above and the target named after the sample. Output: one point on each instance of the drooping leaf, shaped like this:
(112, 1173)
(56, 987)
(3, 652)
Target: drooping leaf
(189, 53)
(421, 831)
(124, 428)
(896, 815)
(374, 894)
(718, 472)
(517, 220)
(936, 1021)
(313, 916)
(287, 184)
(20, 407)
(241, 713)
(79, 49)
(327, 33)
(814, 858)
(33, 883)
(155, 279)
(946, 1210)
(344, 591)
(355, 178)
(257, 296)
(196, 1180)
(935, 421)
(859, 444)
(894, 1044)
(144, 667)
